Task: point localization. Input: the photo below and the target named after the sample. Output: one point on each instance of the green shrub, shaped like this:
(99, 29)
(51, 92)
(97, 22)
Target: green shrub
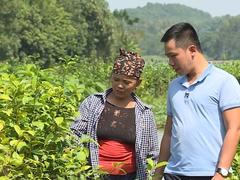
(37, 107)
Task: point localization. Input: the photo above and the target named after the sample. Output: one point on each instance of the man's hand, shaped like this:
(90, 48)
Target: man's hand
(218, 176)
(158, 174)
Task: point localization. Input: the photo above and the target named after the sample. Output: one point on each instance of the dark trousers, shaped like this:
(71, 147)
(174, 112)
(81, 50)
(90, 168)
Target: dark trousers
(178, 177)
(130, 176)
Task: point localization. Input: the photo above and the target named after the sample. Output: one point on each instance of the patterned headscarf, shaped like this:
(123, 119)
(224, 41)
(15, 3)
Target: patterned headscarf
(129, 64)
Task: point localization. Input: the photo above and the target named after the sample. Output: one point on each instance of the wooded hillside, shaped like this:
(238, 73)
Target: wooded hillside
(220, 36)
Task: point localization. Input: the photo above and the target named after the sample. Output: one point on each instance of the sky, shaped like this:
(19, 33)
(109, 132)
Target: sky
(214, 7)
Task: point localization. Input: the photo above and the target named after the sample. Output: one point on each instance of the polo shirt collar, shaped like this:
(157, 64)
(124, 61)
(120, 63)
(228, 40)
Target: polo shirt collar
(183, 80)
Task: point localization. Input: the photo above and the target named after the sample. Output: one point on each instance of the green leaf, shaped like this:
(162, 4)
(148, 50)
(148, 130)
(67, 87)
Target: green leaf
(4, 178)
(13, 143)
(46, 164)
(83, 168)
(4, 148)
(20, 145)
(26, 100)
(44, 157)
(8, 112)
(18, 130)
(31, 132)
(53, 157)
(5, 97)
(58, 120)
(150, 163)
(16, 160)
(2, 124)
(36, 157)
(38, 124)
(81, 156)
(49, 138)
(160, 164)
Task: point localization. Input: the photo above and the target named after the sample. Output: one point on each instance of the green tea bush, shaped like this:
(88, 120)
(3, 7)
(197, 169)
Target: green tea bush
(233, 67)
(37, 107)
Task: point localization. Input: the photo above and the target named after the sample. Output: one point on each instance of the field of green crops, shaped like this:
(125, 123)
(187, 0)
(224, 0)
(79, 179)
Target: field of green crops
(38, 105)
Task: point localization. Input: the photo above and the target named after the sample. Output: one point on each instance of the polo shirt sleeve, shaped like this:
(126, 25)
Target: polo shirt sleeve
(229, 94)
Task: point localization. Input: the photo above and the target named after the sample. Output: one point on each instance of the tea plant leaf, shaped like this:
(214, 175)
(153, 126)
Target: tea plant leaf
(4, 148)
(16, 160)
(4, 178)
(84, 168)
(26, 100)
(49, 138)
(14, 143)
(58, 120)
(81, 156)
(38, 124)
(150, 163)
(160, 164)
(18, 130)
(5, 97)
(31, 132)
(8, 112)
(20, 145)
(36, 157)
(2, 124)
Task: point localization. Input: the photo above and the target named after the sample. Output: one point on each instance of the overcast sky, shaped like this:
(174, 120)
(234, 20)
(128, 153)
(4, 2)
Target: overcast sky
(214, 7)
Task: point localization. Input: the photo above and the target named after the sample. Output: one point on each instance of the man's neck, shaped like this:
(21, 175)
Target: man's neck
(199, 67)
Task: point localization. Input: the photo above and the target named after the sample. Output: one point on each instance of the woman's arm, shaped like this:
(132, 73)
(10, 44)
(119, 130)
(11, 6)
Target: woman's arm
(164, 148)
(153, 139)
(79, 126)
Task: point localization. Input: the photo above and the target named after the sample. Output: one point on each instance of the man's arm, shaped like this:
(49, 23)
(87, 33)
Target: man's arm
(164, 148)
(232, 123)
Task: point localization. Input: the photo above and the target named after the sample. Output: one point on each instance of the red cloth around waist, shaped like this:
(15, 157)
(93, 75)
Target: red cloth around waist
(116, 158)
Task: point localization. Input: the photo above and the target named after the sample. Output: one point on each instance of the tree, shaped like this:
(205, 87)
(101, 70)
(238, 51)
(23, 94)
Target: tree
(37, 28)
(95, 26)
(126, 38)
(9, 41)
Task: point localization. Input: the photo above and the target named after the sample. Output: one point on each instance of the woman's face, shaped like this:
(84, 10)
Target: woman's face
(123, 85)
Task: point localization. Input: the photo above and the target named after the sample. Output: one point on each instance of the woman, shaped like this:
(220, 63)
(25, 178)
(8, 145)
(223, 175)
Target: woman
(122, 125)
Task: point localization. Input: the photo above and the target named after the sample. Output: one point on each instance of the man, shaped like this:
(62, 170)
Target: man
(203, 112)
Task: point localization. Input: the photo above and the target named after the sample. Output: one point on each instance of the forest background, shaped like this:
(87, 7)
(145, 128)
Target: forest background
(54, 53)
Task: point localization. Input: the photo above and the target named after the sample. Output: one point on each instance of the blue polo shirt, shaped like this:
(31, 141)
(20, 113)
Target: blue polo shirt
(198, 128)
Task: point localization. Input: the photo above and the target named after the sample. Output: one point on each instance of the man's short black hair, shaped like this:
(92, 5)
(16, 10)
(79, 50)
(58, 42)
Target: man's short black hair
(184, 34)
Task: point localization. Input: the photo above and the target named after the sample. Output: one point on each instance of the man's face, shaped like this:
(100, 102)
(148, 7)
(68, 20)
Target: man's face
(179, 58)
